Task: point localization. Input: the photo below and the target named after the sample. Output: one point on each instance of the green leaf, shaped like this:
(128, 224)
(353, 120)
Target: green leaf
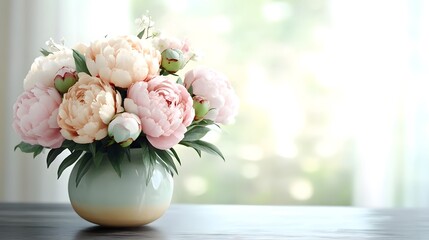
(68, 144)
(152, 154)
(53, 154)
(207, 122)
(37, 151)
(149, 172)
(145, 152)
(68, 161)
(116, 155)
(45, 52)
(80, 62)
(188, 145)
(191, 90)
(93, 148)
(166, 157)
(167, 168)
(99, 156)
(149, 154)
(116, 165)
(179, 80)
(201, 123)
(153, 157)
(195, 133)
(127, 153)
(85, 163)
(83, 147)
(205, 147)
(147, 160)
(176, 155)
(140, 35)
(28, 148)
(164, 72)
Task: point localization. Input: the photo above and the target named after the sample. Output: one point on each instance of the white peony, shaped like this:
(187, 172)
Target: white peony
(164, 41)
(44, 68)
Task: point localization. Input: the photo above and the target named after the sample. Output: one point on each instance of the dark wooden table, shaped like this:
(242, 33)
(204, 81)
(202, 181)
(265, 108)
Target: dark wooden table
(56, 221)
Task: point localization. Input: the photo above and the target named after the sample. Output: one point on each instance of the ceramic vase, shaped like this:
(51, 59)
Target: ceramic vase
(104, 198)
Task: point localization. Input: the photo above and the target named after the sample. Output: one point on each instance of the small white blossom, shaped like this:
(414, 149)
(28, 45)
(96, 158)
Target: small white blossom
(55, 47)
(144, 21)
(196, 56)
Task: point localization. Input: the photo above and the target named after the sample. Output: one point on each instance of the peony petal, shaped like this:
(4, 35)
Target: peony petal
(121, 78)
(102, 133)
(83, 139)
(163, 142)
(151, 128)
(130, 106)
(106, 113)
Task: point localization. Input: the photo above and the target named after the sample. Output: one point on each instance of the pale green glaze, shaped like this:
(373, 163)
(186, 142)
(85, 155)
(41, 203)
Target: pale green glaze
(105, 199)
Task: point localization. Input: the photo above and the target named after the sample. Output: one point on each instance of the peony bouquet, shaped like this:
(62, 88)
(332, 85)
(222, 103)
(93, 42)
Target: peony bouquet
(99, 101)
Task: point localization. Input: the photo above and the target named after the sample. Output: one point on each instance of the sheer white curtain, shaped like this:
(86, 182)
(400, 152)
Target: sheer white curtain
(415, 164)
(26, 25)
(381, 53)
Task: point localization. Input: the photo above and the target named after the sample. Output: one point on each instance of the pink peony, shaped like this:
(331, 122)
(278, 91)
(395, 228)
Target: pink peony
(35, 117)
(165, 110)
(215, 88)
(87, 109)
(122, 60)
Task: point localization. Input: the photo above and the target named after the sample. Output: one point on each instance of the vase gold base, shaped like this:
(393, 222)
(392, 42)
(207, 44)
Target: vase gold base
(120, 217)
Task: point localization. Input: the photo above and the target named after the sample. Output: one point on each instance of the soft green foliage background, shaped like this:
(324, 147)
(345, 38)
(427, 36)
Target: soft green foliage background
(249, 39)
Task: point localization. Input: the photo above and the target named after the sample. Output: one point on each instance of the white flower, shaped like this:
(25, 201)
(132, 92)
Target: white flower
(80, 47)
(54, 47)
(144, 21)
(125, 128)
(163, 41)
(44, 68)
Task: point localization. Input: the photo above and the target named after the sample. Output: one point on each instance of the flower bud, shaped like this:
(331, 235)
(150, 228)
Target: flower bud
(201, 106)
(124, 128)
(64, 79)
(172, 60)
